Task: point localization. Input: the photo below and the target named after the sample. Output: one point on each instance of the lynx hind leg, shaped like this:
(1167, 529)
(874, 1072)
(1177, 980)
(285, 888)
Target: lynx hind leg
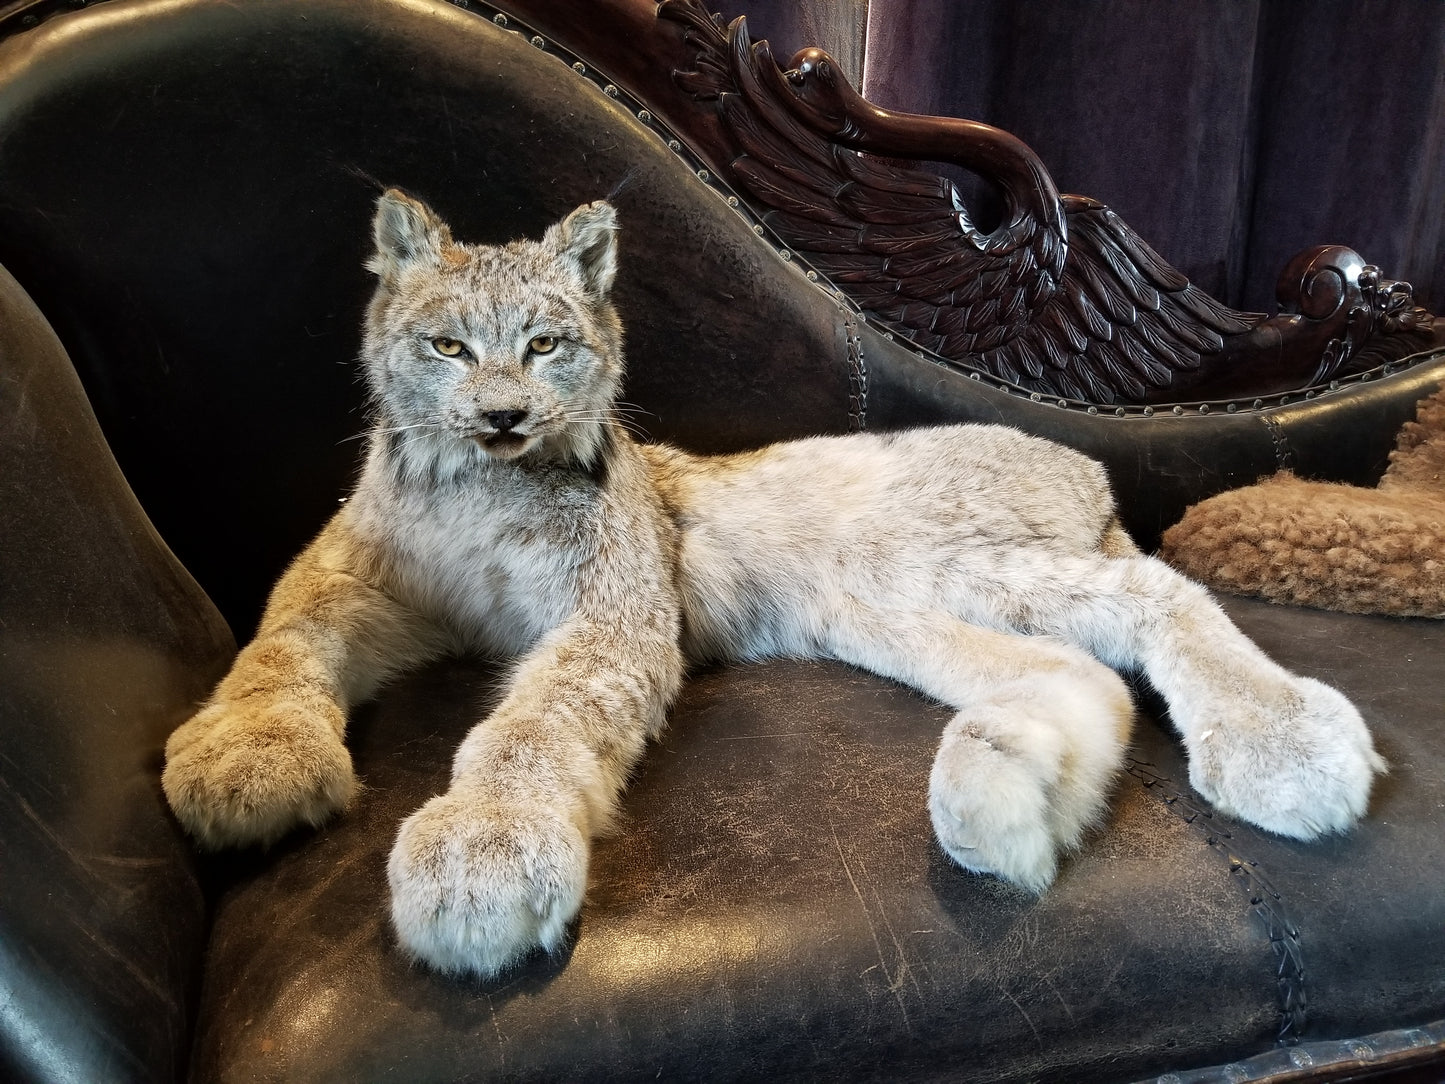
(1299, 763)
(1022, 774)
(1281, 751)
(1284, 752)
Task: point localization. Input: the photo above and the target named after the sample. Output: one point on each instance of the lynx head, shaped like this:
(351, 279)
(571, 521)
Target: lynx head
(478, 352)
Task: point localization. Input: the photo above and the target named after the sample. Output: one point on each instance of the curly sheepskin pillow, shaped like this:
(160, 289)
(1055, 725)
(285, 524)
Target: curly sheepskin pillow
(1331, 546)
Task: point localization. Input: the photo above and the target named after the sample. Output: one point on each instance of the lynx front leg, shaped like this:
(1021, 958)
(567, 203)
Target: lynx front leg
(1026, 765)
(497, 866)
(1285, 752)
(265, 753)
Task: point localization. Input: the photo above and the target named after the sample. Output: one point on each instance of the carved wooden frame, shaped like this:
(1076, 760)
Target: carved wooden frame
(1062, 299)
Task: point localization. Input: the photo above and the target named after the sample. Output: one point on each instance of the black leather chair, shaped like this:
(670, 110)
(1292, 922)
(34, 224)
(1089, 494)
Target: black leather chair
(185, 187)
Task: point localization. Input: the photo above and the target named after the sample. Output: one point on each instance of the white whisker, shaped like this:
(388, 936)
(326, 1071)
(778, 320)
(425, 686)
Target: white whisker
(413, 438)
(570, 406)
(602, 417)
(381, 429)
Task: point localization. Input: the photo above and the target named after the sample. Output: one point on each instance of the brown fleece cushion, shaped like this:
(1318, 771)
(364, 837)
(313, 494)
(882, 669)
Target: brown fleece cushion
(1331, 546)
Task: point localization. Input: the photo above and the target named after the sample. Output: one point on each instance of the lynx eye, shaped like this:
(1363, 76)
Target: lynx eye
(542, 344)
(450, 348)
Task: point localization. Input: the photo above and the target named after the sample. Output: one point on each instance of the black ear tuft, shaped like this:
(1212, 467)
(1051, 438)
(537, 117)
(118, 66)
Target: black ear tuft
(406, 231)
(588, 236)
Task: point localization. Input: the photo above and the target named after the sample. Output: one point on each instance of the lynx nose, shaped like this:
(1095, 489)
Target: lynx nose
(504, 420)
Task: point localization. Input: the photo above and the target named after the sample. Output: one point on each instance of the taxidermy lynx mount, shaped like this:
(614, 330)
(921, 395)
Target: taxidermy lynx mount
(502, 509)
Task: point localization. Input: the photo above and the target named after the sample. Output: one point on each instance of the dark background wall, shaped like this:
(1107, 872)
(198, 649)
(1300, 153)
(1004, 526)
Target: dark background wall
(1230, 133)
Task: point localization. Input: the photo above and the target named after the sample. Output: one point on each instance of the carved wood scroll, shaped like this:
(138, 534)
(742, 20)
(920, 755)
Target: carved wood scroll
(1062, 298)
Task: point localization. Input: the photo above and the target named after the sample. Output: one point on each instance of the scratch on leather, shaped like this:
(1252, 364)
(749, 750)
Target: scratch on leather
(894, 981)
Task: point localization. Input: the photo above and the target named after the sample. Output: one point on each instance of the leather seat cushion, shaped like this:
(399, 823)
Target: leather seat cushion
(774, 904)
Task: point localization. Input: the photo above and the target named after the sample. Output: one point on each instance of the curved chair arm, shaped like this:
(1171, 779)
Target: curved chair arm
(105, 645)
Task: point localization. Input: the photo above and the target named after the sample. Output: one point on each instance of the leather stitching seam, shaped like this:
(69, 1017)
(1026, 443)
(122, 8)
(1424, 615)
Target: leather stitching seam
(857, 375)
(1283, 453)
(1264, 900)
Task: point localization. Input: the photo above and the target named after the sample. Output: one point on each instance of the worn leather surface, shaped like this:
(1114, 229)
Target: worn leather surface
(105, 644)
(185, 190)
(774, 906)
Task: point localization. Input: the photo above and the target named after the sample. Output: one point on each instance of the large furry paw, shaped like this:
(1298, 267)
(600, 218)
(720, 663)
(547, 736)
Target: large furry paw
(237, 775)
(1303, 769)
(990, 809)
(1020, 778)
(478, 883)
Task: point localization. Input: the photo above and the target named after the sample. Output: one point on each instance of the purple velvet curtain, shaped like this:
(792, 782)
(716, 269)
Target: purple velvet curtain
(1230, 134)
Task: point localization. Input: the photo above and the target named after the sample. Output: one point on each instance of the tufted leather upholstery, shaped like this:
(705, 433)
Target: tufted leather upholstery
(184, 193)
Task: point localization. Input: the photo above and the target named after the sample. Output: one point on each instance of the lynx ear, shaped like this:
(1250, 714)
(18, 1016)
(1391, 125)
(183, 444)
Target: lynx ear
(406, 231)
(588, 236)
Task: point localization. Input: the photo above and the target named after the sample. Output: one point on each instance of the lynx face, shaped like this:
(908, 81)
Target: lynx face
(478, 352)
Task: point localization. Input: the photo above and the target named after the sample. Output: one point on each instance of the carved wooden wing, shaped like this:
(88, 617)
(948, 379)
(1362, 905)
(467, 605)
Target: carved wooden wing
(1062, 298)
